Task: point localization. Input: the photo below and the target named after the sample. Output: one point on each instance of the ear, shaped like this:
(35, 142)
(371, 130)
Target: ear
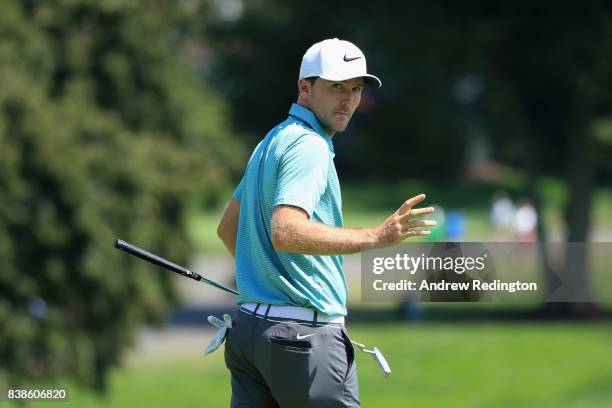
(304, 87)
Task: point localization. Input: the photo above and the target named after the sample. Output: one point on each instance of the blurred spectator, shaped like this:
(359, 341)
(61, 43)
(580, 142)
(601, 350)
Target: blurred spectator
(455, 226)
(412, 309)
(525, 222)
(502, 216)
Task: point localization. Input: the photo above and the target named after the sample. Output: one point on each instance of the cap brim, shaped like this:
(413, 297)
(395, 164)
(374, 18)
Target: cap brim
(367, 79)
(372, 80)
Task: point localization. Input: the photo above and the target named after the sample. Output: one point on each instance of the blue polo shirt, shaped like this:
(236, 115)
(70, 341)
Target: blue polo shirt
(293, 165)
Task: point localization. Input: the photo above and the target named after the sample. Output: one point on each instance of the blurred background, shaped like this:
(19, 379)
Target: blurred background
(135, 119)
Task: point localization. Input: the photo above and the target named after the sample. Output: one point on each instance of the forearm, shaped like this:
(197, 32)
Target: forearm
(314, 238)
(294, 231)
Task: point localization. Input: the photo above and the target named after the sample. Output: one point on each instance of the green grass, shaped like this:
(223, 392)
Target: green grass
(367, 204)
(202, 230)
(434, 365)
(492, 365)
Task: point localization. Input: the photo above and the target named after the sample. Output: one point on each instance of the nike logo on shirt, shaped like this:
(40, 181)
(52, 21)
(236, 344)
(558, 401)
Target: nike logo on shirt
(303, 337)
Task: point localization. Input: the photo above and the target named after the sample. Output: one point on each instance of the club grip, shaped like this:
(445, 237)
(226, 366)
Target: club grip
(154, 259)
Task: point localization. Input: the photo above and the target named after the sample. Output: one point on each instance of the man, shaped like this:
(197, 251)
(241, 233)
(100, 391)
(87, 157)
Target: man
(288, 346)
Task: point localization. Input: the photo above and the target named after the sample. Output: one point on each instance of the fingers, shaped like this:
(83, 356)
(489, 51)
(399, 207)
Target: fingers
(404, 222)
(411, 202)
(410, 229)
(420, 211)
(414, 233)
(418, 224)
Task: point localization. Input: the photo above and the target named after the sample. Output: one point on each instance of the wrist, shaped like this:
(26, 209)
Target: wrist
(371, 239)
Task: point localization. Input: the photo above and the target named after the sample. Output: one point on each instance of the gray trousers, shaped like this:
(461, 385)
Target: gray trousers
(284, 363)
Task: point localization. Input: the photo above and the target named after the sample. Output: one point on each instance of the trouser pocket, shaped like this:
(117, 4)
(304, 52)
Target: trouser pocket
(289, 366)
(303, 345)
(350, 353)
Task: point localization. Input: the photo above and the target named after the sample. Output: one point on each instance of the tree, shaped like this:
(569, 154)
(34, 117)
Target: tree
(557, 64)
(105, 129)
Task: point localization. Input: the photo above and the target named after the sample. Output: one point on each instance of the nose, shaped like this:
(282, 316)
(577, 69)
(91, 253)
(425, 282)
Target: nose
(348, 99)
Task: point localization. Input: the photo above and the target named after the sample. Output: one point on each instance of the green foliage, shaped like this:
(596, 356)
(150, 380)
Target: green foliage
(409, 120)
(105, 131)
(525, 78)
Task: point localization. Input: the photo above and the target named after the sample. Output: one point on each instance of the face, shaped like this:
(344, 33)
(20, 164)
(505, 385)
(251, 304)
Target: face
(333, 103)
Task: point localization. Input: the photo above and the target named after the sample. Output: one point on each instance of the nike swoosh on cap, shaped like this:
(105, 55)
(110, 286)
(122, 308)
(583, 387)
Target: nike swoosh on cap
(350, 59)
(303, 337)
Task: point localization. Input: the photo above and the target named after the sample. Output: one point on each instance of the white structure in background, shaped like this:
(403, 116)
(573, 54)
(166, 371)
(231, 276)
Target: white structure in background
(502, 216)
(525, 222)
(229, 11)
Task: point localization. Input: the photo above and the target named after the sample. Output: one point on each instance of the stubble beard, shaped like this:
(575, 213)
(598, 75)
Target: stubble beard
(330, 127)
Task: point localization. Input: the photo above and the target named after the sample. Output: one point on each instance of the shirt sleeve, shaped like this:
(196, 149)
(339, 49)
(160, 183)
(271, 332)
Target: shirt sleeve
(238, 191)
(302, 173)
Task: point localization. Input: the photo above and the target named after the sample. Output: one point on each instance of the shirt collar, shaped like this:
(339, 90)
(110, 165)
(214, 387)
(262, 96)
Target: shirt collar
(309, 117)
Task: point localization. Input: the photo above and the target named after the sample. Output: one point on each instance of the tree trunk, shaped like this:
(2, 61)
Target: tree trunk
(578, 216)
(530, 154)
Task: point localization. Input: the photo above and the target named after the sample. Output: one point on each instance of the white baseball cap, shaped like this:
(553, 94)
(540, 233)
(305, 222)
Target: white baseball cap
(336, 60)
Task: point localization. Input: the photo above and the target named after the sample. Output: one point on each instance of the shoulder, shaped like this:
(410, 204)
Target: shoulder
(296, 136)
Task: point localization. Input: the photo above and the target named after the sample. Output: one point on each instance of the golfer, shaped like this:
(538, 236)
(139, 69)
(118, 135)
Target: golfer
(288, 346)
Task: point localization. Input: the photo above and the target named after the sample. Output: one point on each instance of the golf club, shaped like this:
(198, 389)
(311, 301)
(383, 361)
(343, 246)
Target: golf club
(380, 359)
(164, 263)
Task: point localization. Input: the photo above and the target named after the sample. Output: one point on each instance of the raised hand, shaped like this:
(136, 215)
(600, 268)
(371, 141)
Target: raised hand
(404, 223)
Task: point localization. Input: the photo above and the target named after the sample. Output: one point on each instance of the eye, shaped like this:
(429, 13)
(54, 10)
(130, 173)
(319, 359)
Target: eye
(357, 89)
(337, 85)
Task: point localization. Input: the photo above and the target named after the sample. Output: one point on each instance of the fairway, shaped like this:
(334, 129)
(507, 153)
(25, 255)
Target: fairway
(434, 365)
